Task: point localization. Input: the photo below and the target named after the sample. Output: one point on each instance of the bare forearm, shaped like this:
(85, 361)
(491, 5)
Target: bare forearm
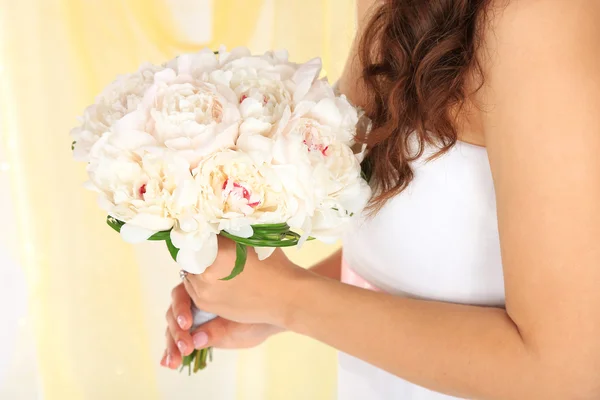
(329, 267)
(466, 351)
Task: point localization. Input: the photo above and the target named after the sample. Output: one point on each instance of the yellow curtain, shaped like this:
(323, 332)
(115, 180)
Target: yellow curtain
(88, 293)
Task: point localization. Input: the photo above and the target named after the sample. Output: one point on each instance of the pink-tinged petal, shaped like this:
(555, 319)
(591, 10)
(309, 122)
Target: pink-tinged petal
(134, 234)
(152, 222)
(196, 262)
(264, 252)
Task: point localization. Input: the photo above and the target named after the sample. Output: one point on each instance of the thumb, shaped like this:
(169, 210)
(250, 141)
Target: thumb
(212, 333)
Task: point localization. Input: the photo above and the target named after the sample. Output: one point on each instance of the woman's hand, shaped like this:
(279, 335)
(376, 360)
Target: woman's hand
(260, 294)
(219, 333)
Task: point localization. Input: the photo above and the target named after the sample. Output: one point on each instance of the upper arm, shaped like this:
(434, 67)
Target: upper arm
(364, 8)
(350, 82)
(542, 128)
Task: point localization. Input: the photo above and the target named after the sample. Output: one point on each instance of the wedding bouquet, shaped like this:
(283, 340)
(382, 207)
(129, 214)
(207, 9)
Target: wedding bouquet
(251, 147)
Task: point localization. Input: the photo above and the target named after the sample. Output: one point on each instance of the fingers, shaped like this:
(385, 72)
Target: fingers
(172, 357)
(181, 337)
(214, 333)
(181, 307)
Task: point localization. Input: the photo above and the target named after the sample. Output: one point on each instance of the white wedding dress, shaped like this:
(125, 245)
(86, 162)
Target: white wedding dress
(437, 240)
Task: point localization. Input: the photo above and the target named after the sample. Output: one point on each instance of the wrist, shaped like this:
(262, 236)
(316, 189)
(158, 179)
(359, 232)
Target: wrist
(295, 300)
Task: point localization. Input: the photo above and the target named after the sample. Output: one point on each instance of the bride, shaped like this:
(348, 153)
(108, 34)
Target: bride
(476, 272)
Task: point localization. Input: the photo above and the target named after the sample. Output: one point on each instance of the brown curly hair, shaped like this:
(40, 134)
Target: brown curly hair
(416, 57)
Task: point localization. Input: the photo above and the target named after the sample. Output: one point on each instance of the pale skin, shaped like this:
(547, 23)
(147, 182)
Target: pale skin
(539, 120)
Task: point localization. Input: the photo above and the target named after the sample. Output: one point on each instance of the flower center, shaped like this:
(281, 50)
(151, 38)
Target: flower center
(245, 96)
(239, 192)
(142, 190)
(311, 140)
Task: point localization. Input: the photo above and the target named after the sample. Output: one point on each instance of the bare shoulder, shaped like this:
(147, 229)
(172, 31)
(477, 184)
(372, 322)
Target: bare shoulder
(365, 8)
(529, 28)
(537, 47)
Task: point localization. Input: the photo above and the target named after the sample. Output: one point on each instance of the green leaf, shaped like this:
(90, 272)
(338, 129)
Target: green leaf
(172, 249)
(73, 145)
(114, 223)
(187, 360)
(158, 236)
(271, 227)
(241, 254)
(260, 242)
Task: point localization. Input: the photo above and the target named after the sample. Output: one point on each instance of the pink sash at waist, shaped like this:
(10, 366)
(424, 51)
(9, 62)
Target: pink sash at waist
(352, 278)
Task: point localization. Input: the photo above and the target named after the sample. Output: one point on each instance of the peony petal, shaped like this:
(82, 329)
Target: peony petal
(264, 252)
(282, 124)
(238, 52)
(307, 230)
(152, 222)
(304, 78)
(186, 240)
(166, 75)
(327, 113)
(281, 55)
(258, 147)
(250, 106)
(255, 126)
(184, 64)
(196, 262)
(134, 234)
(221, 78)
(105, 203)
(243, 231)
(89, 185)
(303, 107)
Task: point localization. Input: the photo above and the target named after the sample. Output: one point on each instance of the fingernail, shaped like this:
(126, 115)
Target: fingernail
(162, 360)
(181, 346)
(181, 321)
(200, 340)
(168, 360)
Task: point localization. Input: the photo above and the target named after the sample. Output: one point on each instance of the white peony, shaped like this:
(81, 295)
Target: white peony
(207, 144)
(324, 122)
(150, 188)
(347, 192)
(192, 117)
(197, 65)
(264, 85)
(236, 192)
(118, 99)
